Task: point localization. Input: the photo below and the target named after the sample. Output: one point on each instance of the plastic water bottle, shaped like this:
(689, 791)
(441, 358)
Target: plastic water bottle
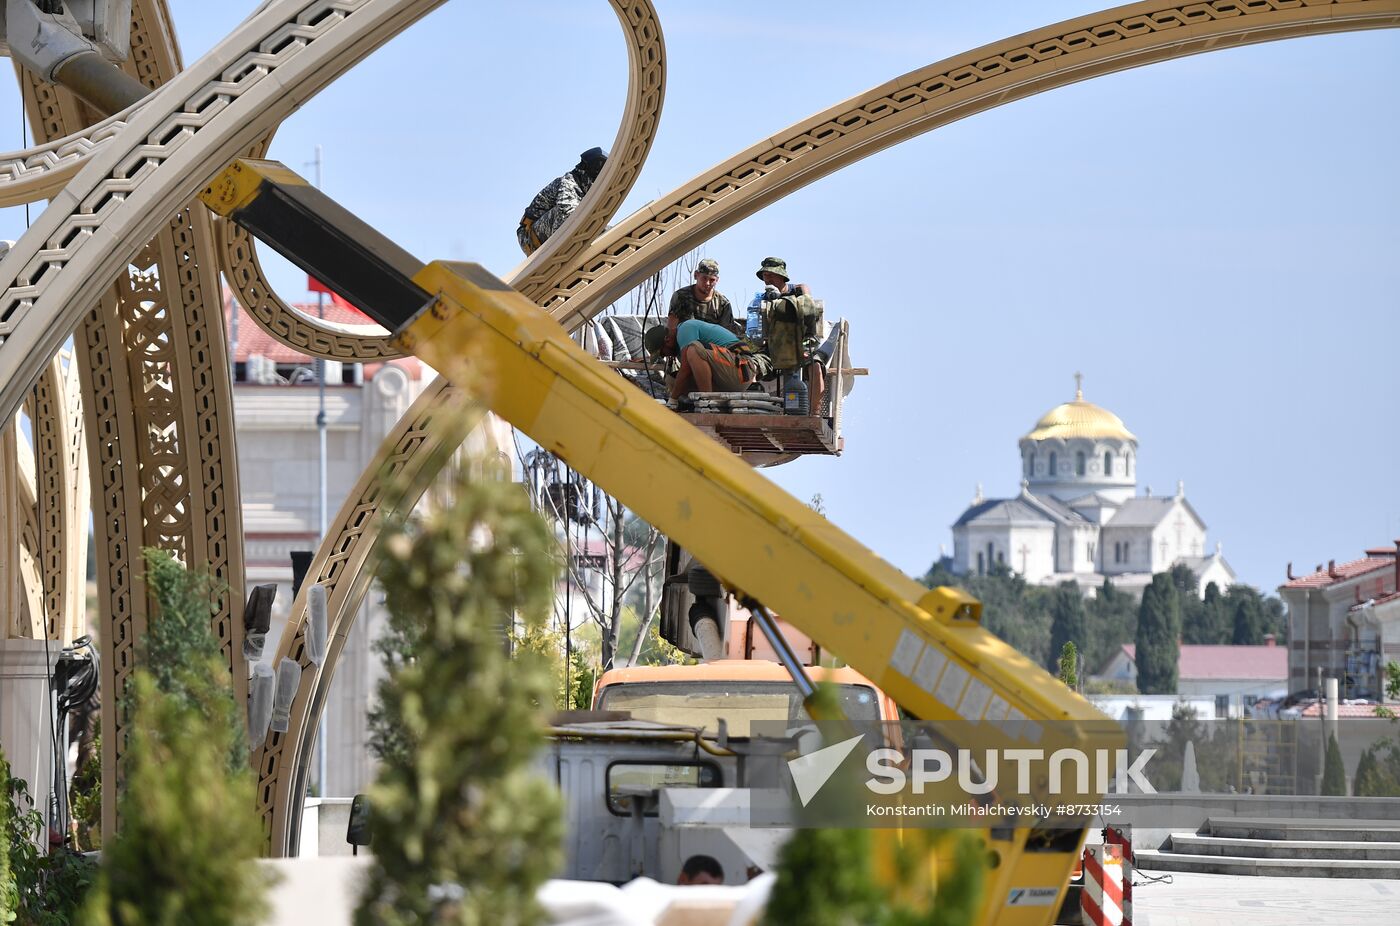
(753, 329)
(794, 395)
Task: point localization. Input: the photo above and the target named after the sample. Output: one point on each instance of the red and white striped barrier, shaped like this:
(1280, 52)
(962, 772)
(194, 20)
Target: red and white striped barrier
(1102, 899)
(1116, 837)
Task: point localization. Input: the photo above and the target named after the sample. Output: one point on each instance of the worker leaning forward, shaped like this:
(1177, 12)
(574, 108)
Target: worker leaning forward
(712, 358)
(553, 205)
(702, 301)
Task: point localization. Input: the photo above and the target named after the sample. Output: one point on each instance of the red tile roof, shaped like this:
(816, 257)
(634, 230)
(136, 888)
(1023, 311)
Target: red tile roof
(1316, 709)
(1357, 567)
(252, 339)
(1199, 661)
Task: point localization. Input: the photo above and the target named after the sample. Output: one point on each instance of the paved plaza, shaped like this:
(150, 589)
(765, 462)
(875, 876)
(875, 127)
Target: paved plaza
(1230, 900)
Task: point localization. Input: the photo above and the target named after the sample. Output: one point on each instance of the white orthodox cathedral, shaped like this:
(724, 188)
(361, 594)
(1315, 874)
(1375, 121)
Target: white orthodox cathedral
(1079, 515)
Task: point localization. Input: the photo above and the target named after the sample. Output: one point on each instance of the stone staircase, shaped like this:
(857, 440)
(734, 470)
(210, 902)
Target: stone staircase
(1283, 847)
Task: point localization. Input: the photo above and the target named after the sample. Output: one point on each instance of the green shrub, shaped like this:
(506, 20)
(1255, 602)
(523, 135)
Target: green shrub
(464, 831)
(9, 890)
(188, 834)
(35, 889)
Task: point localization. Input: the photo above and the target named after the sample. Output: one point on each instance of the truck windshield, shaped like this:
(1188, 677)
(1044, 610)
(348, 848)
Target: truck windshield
(740, 703)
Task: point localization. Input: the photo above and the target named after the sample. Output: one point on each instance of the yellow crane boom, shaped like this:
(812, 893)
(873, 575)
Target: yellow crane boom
(758, 540)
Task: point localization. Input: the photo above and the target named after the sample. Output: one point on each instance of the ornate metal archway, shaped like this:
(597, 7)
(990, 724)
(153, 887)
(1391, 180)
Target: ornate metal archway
(123, 262)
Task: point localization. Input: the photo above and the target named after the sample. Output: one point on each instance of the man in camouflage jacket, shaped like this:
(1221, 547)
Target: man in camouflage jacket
(553, 205)
(700, 300)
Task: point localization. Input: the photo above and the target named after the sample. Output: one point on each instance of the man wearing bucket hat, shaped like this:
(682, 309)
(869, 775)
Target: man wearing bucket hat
(699, 300)
(776, 282)
(553, 205)
(773, 272)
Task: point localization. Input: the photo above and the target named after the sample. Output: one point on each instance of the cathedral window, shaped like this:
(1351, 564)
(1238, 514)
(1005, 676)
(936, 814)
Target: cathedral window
(1079, 463)
(1108, 462)
(1128, 464)
(991, 554)
(1052, 463)
(1090, 550)
(1127, 557)
(1030, 464)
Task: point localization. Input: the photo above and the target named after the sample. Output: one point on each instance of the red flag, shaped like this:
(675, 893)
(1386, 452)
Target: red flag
(316, 286)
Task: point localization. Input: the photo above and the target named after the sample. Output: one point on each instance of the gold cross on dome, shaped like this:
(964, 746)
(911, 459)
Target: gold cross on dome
(1078, 386)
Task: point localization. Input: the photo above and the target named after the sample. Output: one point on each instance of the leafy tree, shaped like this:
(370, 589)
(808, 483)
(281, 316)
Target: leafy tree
(1158, 633)
(1184, 580)
(179, 648)
(188, 838)
(1188, 598)
(1066, 618)
(1211, 623)
(1378, 770)
(1275, 618)
(1069, 665)
(1334, 773)
(1249, 618)
(464, 830)
(35, 889)
(1111, 615)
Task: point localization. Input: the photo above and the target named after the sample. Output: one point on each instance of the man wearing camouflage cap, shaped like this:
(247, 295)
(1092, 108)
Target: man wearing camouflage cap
(700, 300)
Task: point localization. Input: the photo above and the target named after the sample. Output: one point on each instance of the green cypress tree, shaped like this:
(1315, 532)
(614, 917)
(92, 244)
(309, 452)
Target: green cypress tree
(1066, 619)
(188, 836)
(1378, 770)
(1216, 623)
(1334, 773)
(1249, 617)
(1189, 602)
(464, 831)
(1158, 633)
(1113, 615)
(1069, 665)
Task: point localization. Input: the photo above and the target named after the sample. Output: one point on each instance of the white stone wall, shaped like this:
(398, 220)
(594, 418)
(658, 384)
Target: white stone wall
(1026, 549)
(25, 732)
(1139, 543)
(1175, 536)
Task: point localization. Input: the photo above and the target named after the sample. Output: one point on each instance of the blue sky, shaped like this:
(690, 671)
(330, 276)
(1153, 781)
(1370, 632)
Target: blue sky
(1211, 241)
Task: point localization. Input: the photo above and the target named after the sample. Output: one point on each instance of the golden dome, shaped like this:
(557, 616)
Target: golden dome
(1080, 419)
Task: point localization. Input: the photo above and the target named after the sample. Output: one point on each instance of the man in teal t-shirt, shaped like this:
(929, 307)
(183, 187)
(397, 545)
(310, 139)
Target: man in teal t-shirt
(708, 361)
(694, 329)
